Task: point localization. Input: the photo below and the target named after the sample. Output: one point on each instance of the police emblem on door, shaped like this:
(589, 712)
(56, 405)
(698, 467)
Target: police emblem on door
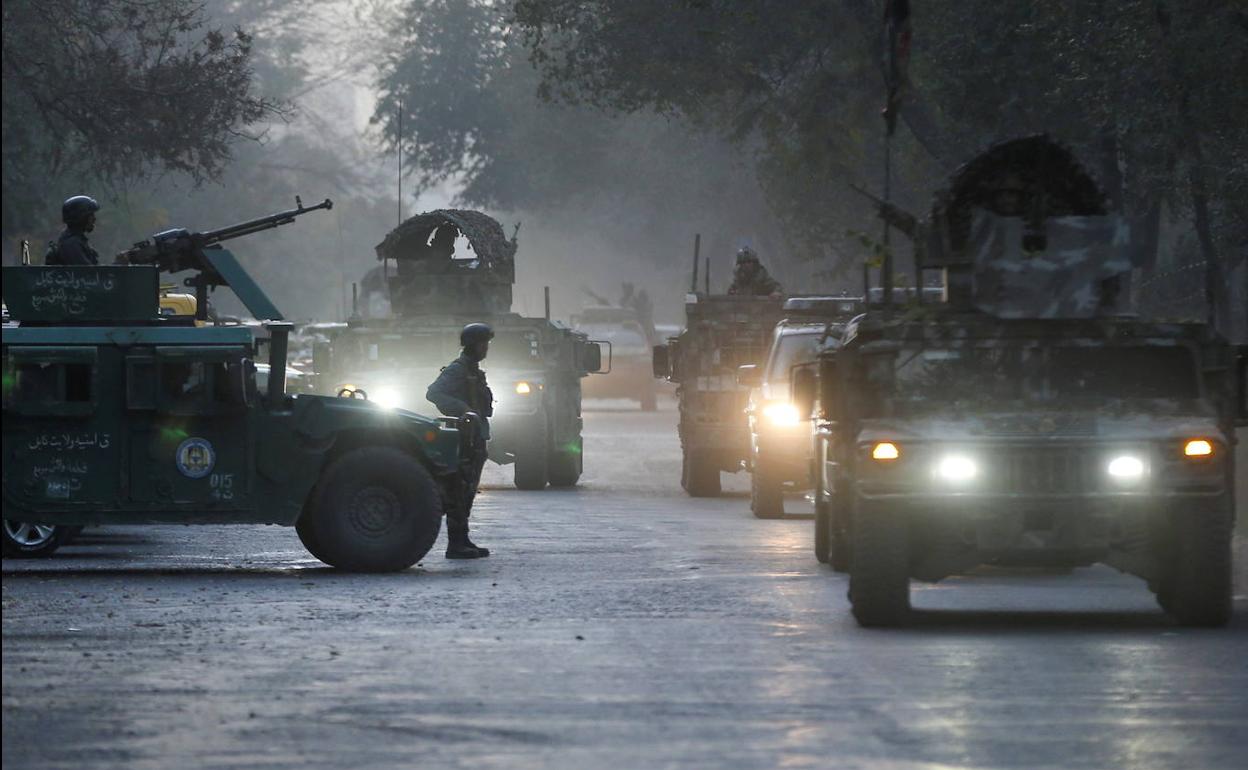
(195, 458)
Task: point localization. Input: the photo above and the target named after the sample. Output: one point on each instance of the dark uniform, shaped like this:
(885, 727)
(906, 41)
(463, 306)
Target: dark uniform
(749, 277)
(72, 249)
(461, 388)
(78, 214)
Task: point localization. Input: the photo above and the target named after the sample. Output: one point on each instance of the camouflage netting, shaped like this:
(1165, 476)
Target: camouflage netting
(433, 278)
(486, 235)
(1043, 176)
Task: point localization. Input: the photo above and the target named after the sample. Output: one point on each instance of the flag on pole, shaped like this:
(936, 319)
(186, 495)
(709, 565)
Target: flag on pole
(896, 57)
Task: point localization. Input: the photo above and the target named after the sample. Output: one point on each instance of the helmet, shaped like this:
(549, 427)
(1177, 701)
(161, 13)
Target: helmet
(746, 255)
(474, 333)
(75, 210)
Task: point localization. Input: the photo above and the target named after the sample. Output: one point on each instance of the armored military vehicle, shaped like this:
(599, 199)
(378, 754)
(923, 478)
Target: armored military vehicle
(722, 333)
(451, 268)
(114, 413)
(1029, 419)
(779, 458)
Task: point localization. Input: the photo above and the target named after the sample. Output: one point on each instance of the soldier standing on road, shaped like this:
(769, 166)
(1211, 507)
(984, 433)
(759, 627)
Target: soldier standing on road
(72, 248)
(749, 277)
(461, 390)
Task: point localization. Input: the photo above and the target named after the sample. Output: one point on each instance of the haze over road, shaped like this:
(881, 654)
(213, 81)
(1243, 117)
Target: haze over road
(618, 624)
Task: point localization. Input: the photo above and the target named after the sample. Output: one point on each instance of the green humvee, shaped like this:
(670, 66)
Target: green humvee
(1029, 419)
(454, 267)
(115, 414)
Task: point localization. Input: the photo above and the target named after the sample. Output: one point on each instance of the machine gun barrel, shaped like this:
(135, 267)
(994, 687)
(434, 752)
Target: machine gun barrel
(895, 216)
(179, 249)
(262, 223)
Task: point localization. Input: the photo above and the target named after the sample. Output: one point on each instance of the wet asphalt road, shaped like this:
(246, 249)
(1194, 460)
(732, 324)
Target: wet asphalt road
(619, 625)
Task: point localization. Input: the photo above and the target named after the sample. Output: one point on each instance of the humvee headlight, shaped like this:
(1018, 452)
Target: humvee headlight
(1198, 447)
(885, 450)
(1126, 468)
(956, 468)
(781, 414)
(386, 397)
(523, 388)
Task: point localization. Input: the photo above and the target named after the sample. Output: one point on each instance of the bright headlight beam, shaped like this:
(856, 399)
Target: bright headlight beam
(523, 388)
(1198, 447)
(957, 468)
(781, 413)
(1126, 468)
(885, 450)
(386, 397)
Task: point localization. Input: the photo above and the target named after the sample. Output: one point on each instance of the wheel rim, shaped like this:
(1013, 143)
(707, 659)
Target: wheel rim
(374, 511)
(29, 535)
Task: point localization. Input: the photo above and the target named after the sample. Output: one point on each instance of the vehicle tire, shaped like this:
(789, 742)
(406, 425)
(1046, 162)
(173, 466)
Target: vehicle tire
(376, 510)
(566, 465)
(823, 529)
(766, 494)
(879, 578)
(1197, 590)
(701, 475)
(533, 460)
(32, 541)
(841, 533)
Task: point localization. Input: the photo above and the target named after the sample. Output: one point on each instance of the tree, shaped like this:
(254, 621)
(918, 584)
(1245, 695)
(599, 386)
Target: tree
(1148, 93)
(114, 90)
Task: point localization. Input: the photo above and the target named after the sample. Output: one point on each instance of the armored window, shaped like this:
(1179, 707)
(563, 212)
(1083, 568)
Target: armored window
(201, 380)
(50, 380)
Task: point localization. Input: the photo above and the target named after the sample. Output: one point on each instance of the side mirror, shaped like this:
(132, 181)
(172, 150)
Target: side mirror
(591, 357)
(661, 362)
(805, 387)
(749, 376)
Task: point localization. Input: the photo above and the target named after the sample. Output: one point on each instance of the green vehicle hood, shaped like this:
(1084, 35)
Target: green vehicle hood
(321, 418)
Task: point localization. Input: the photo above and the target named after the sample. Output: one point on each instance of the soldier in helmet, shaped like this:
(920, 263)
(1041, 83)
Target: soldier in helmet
(750, 277)
(72, 248)
(461, 390)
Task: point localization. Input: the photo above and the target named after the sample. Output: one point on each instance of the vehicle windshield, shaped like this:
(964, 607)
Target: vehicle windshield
(1043, 375)
(789, 350)
(624, 337)
(508, 350)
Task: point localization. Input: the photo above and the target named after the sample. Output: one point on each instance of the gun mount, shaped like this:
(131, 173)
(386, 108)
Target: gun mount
(178, 249)
(1022, 231)
(433, 276)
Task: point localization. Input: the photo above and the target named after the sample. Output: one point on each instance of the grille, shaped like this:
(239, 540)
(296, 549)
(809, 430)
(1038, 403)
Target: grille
(1047, 470)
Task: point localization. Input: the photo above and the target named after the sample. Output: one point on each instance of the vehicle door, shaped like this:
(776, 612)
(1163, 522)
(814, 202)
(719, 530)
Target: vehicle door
(191, 432)
(60, 435)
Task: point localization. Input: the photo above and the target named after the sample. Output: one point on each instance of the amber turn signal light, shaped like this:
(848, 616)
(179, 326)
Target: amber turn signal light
(1198, 447)
(885, 450)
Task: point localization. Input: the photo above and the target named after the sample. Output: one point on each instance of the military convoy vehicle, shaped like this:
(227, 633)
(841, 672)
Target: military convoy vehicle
(451, 268)
(630, 375)
(722, 333)
(1029, 419)
(779, 458)
(114, 413)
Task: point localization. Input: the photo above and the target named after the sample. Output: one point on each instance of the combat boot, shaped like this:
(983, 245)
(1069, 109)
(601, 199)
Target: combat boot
(481, 552)
(462, 549)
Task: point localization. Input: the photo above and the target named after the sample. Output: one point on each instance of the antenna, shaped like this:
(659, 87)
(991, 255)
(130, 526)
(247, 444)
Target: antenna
(706, 268)
(400, 166)
(697, 248)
